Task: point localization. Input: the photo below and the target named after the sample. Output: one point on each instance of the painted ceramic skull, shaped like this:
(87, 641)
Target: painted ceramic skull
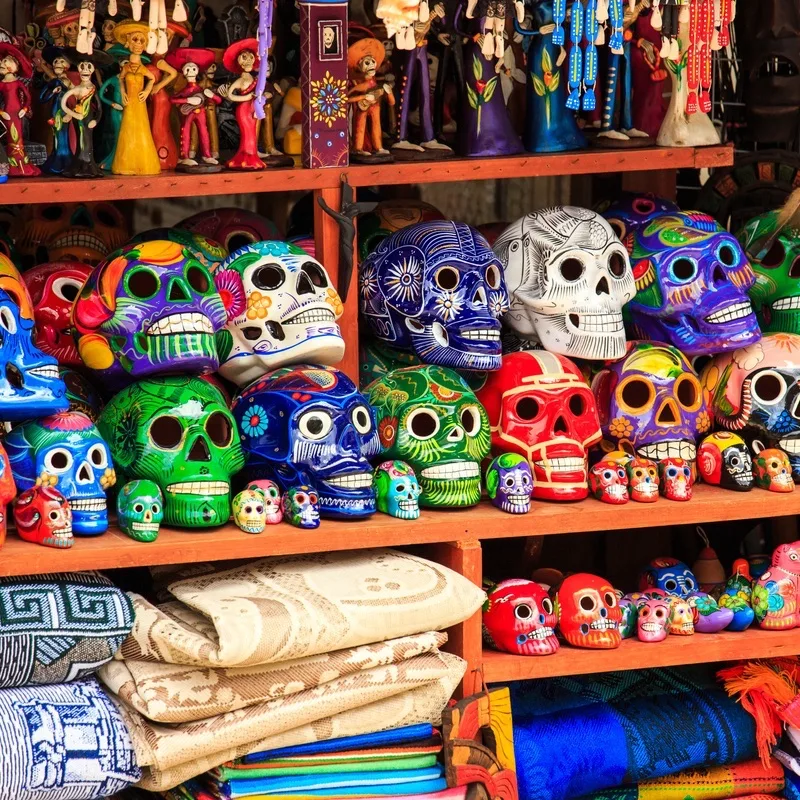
(208, 252)
(436, 289)
(568, 277)
(675, 478)
(650, 402)
(652, 619)
(429, 418)
(509, 483)
(519, 617)
(724, 460)
(608, 481)
(8, 491)
(43, 516)
(273, 511)
(670, 576)
(249, 511)
(282, 309)
(54, 288)
(692, 279)
(151, 309)
(397, 490)
(66, 451)
(627, 625)
(140, 510)
(310, 426)
(301, 507)
(681, 622)
(631, 211)
(642, 480)
(773, 470)
(540, 407)
(177, 431)
(233, 228)
(588, 612)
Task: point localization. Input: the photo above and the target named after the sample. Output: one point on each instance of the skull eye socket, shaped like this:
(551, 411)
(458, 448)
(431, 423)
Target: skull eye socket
(400, 488)
(312, 498)
(219, 429)
(315, 425)
(643, 206)
(300, 498)
(687, 390)
(509, 481)
(166, 432)
(238, 239)
(138, 508)
(608, 474)
(493, 276)
(248, 509)
(571, 269)
(775, 255)
(616, 264)
(547, 605)
(577, 405)
(105, 217)
(269, 277)
(638, 473)
(621, 473)
(52, 213)
(361, 419)
(7, 320)
(735, 461)
(727, 255)
(471, 420)
(610, 599)
(315, 274)
(689, 583)
(53, 515)
(67, 289)
(768, 387)
(617, 227)
(447, 278)
(142, 283)
(259, 509)
(636, 394)
(660, 613)
(683, 270)
(672, 472)
(527, 408)
(155, 508)
(58, 460)
(670, 585)
(199, 279)
(422, 423)
(98, 456)
(587, 603)
(523, 611)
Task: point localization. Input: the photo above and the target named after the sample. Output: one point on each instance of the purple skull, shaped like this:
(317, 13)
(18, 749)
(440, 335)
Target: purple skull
(509, 483)
(632, 211)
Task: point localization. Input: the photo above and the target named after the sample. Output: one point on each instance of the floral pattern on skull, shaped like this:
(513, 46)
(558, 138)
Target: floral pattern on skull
(520, 618)
(208, 252)
(773, 470)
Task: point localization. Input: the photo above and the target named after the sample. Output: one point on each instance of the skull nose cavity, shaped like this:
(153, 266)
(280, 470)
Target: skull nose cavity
(275, 330)
(178, 292)
(82, 218)
(718, 277)
(14, 376)
(148, 515)
(667, 414)
(479, 298)
(304, 285)
(85, 473)
(456, 435)
(440, 334)
(199, 451)
(602, 286)
(560, 426)
(603, 612)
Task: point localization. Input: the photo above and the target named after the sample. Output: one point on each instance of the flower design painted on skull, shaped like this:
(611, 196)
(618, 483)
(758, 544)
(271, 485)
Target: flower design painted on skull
(387, 430)
(258, 306)
(403, 281)
(329, 99)
(703, 422)
(231, 290)
(749, 357)
(334, 301)
(620, 427)
(255, 423)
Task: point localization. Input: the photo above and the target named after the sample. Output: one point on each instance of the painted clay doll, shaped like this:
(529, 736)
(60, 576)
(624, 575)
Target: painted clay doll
(107, 33)
(269, 152)
(492, 15)
(164, 74)
(366, 95)
(52, 92)
(210, 105)
(110, 95)
(15, 105)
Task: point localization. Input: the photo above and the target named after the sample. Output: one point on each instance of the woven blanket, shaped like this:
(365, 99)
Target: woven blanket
(289, 607)
(62, 742)
(792, 789)
(59, 628)
(193, 790)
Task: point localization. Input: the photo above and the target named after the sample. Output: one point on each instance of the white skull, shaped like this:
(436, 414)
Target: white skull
(568, 276)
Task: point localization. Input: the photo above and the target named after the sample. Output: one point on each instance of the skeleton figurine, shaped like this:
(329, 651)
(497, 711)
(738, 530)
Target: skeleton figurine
(366, 95)
(492, 14)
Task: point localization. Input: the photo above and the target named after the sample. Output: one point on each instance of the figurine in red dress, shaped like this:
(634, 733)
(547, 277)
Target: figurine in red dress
(241, 58)
(15, 105)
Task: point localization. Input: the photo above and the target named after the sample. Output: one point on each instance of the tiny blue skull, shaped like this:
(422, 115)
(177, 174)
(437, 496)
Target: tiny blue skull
(509, 483)
(397, 490)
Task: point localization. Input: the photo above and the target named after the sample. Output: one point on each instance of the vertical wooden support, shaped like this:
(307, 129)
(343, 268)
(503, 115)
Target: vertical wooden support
(661, 182)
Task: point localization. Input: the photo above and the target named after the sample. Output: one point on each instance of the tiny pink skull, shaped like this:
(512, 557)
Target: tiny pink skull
(272, 499)
(676, 478)
(608, 482)
(653, 619)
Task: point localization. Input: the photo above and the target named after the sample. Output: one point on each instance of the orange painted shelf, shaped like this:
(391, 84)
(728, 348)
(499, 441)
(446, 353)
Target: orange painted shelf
(587, 162)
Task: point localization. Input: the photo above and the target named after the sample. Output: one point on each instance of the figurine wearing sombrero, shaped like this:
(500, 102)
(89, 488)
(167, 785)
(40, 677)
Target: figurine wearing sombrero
(15, 105)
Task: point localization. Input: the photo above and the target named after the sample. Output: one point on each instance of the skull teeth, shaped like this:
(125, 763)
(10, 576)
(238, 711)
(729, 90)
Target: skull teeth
(603, 625)
(787, 304)
(674, 449)
(144, 526)
(565, 464)
(92, 504)
(181, 323)
(455, 469)
(730, 313)
(597, 323)
(482, 335)
(50, 371)
(541, 633)
(791, 446)
(199, 487)
(652, 627)
(352, 480)
(81, 239)
(518, 499)
(311, 316)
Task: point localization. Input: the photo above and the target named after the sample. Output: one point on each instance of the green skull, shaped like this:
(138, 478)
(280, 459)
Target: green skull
(178, 432)
(429, 418)
(140, 510)
(776, 293)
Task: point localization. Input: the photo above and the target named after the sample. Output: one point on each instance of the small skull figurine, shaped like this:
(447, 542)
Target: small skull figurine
(301, 507)
(642, 480)
(397, 490)
(509, 483)
(681, 621)
(43, 516)
(249, 510)
(519, 617)
(589, 612)
(627, 626)
(773, 470)
(608, 481)
(272, 499)
(140, 510)
(675, 478)
(653, 618)
(723, 460)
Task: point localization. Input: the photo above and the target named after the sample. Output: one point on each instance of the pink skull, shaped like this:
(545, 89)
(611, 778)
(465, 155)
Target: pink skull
(653, 619)
(608, 482)
(272, 499)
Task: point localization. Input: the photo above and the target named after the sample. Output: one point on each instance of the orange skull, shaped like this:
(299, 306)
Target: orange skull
(589, 612)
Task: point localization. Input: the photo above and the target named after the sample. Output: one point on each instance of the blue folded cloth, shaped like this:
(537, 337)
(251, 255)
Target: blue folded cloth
(411, 789)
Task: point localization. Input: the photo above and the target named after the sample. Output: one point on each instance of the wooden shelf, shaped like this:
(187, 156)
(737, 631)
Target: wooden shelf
(588, 162)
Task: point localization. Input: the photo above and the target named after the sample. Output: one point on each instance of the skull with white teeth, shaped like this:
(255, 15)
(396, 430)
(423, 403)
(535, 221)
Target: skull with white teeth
(568, 277)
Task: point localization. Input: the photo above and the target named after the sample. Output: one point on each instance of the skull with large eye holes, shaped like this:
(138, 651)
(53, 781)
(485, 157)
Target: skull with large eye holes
(519, 617)
(233, 228)
(589, 614)
(282, 309)
(724, 460)
(310, 426)
(669, 575)
(436, 289)
(568, 277)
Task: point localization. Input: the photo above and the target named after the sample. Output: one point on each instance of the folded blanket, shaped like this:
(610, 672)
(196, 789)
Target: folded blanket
(193, 790)
(282, 768)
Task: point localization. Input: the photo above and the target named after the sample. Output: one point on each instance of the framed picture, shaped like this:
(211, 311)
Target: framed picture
(330, 37)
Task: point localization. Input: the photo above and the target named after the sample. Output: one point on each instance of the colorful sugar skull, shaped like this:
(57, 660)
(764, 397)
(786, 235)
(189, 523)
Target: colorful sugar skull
(675, 478)
(651, 402)
(627, 626)
(54, 288)
(773, 470)
(670, 576)
(608, 481)
(301, 507)
(397, 490)
(776, 593)
(43, 516)
(540, 407)
(208, 252)
(140, 510)
(509, 483)
(273, 511)
(81, 395)
(692, 279)
(652, 619)
(8, 491)
(642, 480)
(429, 418)
(233, 228)
(436, 289)
(588, 612)
(310, 426)
(177, 431)
(282, 309)
(631, 211)
(681, 621)
(519, 618)
(67, 451)
(724, 460)
(568, 277)
(249, 511)
(150, 309)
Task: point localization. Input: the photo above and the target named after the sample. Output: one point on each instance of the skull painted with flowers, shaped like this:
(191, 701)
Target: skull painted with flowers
(178, 432)
(43, 516)
(301, 507)
(588, 612)
(140, 510)
(208, 252)
(282, 309)
(68, 452)
(150, 309)
(653, 619)
(773, 470)
(436, 289)
(724, 460)
(509, 483)
(397, 490)
(429, 418)
(776, 592)
(519, 617)
(631, 211)
(232, 228)
(249, 511)
(311, 426)
(273, 512)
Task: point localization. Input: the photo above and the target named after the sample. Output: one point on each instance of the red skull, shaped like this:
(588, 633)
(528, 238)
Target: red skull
(540, 406)
(608, 482)
(588, 612)
(642, 480)
(43, 516)
(233, 228)
(7, 491)
(520, 618)
(54, 288)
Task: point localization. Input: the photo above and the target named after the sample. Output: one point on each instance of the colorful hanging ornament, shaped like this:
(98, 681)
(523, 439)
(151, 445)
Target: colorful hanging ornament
(575, 56)
(590, 55)
(559, 15)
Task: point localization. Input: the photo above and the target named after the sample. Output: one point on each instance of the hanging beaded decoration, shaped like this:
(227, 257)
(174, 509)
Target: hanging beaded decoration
(590, 57)
(575, 56)
(698, 66)
(264, 45)
(559, 15)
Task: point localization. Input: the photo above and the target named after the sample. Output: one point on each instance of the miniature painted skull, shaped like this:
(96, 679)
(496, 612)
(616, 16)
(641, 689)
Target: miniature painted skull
(8, 491)
(652, 619)
(650, 402)
(509, 483)
(519, 617)
(43, 516)
(627, 625)
(178, 432)
(397, 490)
(233, 228)
(568, 277)
(675, 478)
(311, 426)
(670, 576)
(140, 510)
(631, 211)
(540, 407)
(642, 480)
(588, 612)
(249, 511)
(273, 511)
(67, 451)
(773, 470)
(301, 507)
(681, 621)
(282, 309)
(724, 460)
(149, 310)
(436, 289)
(429, 418)
(208, 252)
(608, 481)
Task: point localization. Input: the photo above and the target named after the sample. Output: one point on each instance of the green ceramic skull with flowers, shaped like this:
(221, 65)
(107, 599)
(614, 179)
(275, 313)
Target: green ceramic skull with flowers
(429, 418)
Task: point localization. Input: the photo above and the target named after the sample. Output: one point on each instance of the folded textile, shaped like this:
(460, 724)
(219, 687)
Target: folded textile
(63, 742)
(193, 790)
(282, 768)
(289, 607)
(59, 628)
(792, 789)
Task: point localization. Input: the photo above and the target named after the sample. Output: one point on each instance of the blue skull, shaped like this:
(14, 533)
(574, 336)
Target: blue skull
(631, 211)
(669, 575)
(436, 289)
(311, 426)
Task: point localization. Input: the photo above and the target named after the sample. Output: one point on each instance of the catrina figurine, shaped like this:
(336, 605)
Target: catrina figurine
(15, 104)
(53, 90)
